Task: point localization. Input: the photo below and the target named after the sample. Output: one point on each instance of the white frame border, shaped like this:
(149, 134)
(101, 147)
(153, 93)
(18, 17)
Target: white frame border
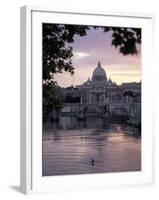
(26, 87)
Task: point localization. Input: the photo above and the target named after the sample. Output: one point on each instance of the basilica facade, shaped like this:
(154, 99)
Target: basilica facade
(99, 95)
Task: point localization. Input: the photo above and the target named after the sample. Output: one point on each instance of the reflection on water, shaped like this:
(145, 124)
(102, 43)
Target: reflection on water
(69, 146)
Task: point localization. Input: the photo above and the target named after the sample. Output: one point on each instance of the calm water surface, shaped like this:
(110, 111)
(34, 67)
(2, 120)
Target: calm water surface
(69, 147)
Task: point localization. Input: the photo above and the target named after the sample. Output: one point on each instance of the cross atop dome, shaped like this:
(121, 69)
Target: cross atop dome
(99, 64)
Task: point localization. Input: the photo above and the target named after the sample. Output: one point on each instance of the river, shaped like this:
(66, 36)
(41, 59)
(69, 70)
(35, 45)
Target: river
(92, 146)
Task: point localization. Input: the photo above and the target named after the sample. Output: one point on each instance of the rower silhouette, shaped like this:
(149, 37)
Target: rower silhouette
(93, 162)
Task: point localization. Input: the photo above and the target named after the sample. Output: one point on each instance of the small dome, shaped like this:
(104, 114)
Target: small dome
(110, 82)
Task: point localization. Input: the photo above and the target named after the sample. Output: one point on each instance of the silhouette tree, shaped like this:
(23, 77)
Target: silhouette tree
(126, 39)
(57, 58)
(51, 101)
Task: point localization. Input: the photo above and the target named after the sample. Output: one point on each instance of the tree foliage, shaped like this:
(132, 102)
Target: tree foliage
(126, 39)
(51, 101)
(56, 59)
(56, 56)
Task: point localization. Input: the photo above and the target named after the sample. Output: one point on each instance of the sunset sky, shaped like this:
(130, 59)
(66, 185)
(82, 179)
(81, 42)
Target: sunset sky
(95, 46)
